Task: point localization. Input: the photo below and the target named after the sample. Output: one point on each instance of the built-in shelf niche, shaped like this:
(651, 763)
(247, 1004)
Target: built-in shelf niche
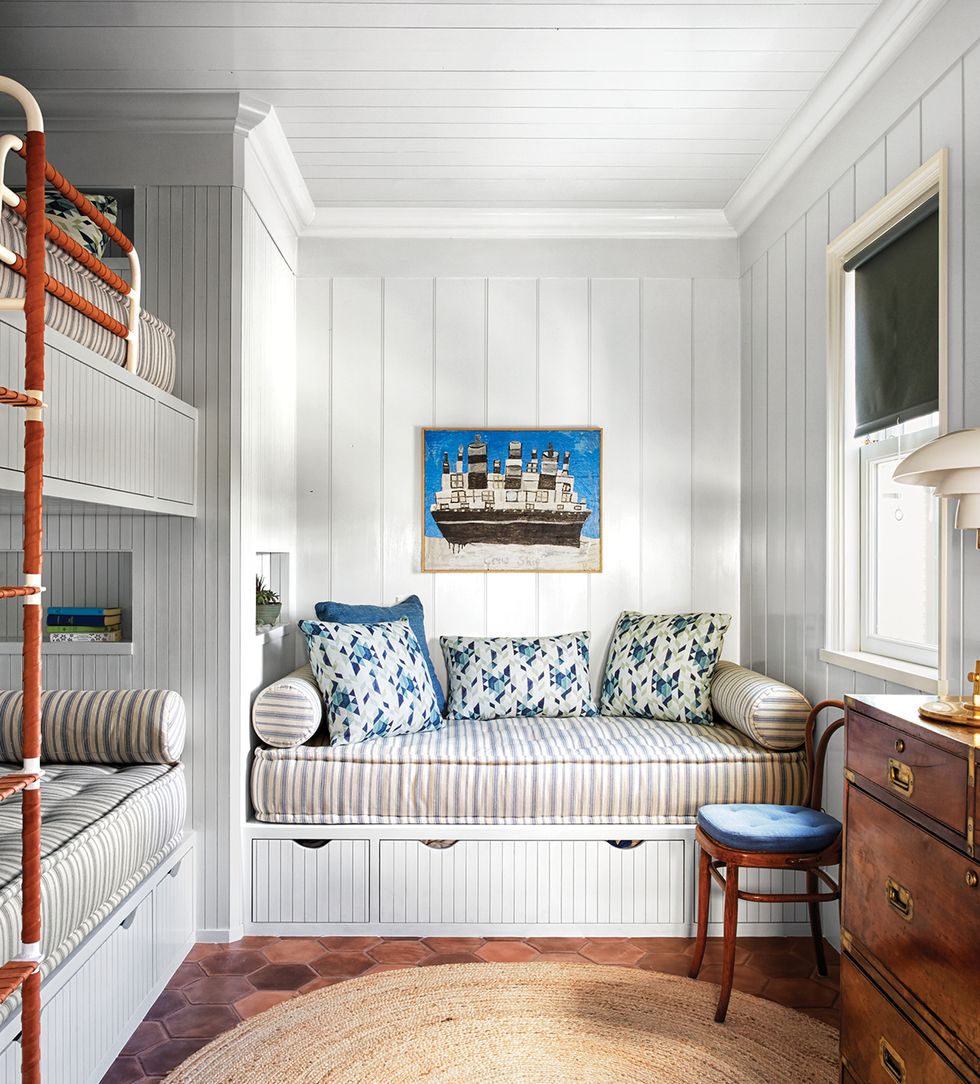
(75, 578)
(274, 569)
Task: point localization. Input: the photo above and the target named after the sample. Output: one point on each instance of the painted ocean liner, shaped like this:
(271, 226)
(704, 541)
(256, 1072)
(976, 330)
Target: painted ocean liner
(520, 505)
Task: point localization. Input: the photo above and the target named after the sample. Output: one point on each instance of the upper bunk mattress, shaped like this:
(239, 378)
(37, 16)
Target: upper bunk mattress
(597, 770)
(157, 353)
(104, 829)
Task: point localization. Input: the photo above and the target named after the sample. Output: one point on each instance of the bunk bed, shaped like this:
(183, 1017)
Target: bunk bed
(91, 836)
(102, 350)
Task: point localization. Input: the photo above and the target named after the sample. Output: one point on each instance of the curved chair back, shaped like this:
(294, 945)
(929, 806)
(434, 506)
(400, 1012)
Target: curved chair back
(816, 755)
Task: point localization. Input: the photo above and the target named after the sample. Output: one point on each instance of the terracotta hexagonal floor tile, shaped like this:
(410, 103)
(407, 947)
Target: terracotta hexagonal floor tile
(667, 944)
(185, 975)
(321, 982)
(786, 966)
(124, 1070)
(346, 944)
(714, 952)
(507, 952)
(201, 952)
(557, 944)
(281, 976)
(342, 964)
(237, 962)
(148, 1034)
(670, 963)
(399, 952)
(260, 1001)
(218, 989)
(452, 958)
(169, 1001)
(161, 1059)
(293, 950)
(745, 979)
(201, 1021)
(612, 952)
(562, 958)
(453, 944)
(798, 993)
(254, 942)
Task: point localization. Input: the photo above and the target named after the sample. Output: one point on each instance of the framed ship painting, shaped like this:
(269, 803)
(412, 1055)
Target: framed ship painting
(512, 500)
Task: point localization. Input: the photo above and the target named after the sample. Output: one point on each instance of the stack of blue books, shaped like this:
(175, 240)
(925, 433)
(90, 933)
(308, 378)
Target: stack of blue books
(85, 624)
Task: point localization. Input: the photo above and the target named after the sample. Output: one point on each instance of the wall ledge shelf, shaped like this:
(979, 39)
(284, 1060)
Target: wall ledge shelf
(83, 647)
(276, 632)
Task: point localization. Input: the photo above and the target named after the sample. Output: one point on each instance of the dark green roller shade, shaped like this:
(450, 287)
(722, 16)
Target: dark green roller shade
(896, 323)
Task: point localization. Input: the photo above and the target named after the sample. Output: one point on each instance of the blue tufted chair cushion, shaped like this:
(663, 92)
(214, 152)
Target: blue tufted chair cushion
(769, 828)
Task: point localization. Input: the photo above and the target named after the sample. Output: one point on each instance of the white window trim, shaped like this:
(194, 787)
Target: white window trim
(843, 623)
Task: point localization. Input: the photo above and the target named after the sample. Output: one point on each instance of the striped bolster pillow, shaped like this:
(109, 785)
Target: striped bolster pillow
(772, 714)
(113, 726)
(289, 711)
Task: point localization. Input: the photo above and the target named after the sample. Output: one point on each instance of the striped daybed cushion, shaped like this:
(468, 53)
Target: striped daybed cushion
(769, 712)
(104, 830)
(157, 353)
(289, 711)
(601, 769)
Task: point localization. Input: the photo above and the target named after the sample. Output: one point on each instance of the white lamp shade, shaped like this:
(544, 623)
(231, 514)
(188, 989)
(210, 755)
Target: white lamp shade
(951, 465)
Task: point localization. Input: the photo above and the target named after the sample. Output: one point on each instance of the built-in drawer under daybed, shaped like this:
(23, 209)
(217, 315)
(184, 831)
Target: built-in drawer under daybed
(510, 826)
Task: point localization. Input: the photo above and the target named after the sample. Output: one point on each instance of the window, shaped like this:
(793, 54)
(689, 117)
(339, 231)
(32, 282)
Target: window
(886, 397)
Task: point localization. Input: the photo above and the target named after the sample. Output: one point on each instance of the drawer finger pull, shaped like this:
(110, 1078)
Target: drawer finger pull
(891, 1061)
(899, 745)
(899, 899)
(900, 777)
(971, 878)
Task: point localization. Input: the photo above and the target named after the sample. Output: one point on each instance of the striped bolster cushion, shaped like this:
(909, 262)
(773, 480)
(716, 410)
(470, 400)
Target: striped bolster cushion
(288, 712)
(772, 714)
(116, 726)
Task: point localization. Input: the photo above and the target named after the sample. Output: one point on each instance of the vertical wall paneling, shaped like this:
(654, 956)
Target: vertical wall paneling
(756, 494)
(970, 404)
(513, 397)
(652, 361)
(665, 446)
(563, 399)
(715, 468)
(869, 179)
(776, 460)
(903, 148)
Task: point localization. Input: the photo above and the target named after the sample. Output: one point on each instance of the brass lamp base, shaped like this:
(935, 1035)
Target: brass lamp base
(958, 710)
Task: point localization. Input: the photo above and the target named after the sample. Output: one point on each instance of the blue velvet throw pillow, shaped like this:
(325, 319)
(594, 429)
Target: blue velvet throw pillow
(374, 680)
(410, 608)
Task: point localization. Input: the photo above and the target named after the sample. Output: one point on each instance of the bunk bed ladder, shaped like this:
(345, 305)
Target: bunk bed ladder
(23, 971)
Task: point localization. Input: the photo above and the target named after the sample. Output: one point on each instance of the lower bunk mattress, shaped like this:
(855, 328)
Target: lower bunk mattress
(157, 353)
(594, 770)
(104, 830)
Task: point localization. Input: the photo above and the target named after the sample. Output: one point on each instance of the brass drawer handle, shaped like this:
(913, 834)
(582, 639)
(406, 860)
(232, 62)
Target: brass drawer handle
(971, 878)
(899, 899)
(900, 777)
(891, 1061)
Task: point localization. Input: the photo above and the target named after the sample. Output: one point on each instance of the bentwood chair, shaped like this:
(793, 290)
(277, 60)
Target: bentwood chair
(787, 837)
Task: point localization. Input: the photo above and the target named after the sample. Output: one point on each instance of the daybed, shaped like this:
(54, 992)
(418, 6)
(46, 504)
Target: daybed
(415, 831)
(113, 807)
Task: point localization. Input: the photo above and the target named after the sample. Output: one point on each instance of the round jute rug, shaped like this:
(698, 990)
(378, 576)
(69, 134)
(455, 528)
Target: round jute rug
(555, 1023)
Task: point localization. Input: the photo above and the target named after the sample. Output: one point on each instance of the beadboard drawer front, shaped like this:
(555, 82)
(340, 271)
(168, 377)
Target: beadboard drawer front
(912, 903)
(312, 881)
(933, 781)
(173, 915)
(878, 1044)
(533, 882)
(80, 1025)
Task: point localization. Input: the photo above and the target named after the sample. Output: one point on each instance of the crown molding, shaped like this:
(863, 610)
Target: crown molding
(881, 40)
(143, 111)
(259, 124)
(493, 222)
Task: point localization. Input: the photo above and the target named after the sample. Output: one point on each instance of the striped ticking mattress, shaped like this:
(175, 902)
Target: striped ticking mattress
(602, 769)
(104, 830)
(157, 353)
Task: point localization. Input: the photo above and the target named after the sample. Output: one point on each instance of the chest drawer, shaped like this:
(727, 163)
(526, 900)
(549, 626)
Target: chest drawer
(931, 780)
(914, 904)
(877, 1043)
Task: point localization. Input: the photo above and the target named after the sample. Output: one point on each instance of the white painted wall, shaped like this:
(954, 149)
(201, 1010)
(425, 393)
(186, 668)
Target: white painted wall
(929, 99)
(647, 349)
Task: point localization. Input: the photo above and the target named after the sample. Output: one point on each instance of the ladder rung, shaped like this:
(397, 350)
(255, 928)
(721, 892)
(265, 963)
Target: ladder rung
(13, 974)
(10, 397)
(18, 592)
(14, 783)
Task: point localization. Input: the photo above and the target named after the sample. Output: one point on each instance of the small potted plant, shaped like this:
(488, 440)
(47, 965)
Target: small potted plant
(268, 605)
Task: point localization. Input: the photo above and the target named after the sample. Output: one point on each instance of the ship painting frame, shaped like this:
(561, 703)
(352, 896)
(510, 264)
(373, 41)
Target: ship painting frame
(548, 537)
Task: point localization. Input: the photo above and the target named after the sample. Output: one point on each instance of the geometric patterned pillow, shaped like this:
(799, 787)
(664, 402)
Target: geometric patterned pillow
(374, 680)
(70, 219)
(507, 677)
(660, 666)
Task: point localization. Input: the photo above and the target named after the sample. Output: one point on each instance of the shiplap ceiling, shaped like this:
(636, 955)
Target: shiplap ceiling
(643, 103)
